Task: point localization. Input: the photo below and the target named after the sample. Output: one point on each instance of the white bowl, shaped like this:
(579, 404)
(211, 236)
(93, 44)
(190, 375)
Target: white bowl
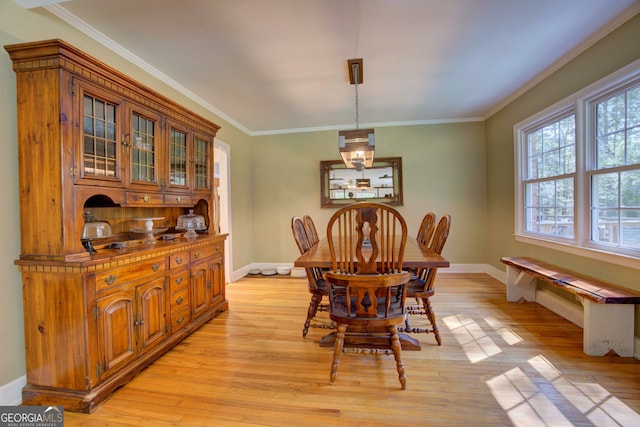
(268, 271)
(298, 272)
(284, 270)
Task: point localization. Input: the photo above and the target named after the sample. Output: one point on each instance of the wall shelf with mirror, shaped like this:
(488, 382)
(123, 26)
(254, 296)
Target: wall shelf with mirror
(341, 186)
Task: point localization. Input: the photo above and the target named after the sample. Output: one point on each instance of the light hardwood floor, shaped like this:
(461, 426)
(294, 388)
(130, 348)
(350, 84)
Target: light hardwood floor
(501, 364)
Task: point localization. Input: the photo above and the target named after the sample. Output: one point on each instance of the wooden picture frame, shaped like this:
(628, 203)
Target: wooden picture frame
(340, 186)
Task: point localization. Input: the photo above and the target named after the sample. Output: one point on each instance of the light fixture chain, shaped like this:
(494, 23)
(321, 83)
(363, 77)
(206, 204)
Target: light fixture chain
(357, 110)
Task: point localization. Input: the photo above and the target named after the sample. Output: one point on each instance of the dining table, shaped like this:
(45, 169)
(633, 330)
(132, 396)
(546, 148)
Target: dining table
(416, 256)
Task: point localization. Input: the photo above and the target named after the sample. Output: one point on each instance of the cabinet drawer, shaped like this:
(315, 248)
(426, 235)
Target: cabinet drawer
(179, 319)
(144, 198)
(206, 252)
(178, 260)
(180, 300)
(178, 200)
(179, 281)
(111, 278)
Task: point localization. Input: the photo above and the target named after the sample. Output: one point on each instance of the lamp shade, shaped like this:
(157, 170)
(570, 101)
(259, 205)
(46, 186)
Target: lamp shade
(357, 148)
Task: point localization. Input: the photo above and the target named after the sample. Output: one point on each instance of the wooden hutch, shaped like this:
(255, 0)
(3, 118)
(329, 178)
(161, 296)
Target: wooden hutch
(92, 140)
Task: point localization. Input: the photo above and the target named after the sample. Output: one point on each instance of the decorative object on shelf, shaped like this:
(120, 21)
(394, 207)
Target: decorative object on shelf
(148, 229)
(93, 229)
(356, 146)
(192, 223)
(363, 182)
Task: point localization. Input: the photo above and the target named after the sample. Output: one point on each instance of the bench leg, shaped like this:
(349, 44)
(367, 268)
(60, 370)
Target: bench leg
(608, 327)
(520, 285)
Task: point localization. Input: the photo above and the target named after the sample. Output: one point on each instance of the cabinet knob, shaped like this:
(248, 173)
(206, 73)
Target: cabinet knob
(179, 280)
(196, 255)
(178, 199)
(180, 300)
(179, 260)
(155, 267)
(146, 198)
(180, 320)
(111, 279)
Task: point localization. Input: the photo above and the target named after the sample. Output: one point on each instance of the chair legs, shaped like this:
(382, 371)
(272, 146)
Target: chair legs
(426, 309)
(311, 312)
(397, 354)
(337, 351)
(395, 347)
(432, 318)
(315, 305)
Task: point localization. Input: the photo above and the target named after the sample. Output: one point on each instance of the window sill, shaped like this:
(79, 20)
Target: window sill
(597, 254)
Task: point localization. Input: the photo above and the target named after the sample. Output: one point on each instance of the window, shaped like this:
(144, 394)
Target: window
(550, 178)
(578, 171)
(615, 179)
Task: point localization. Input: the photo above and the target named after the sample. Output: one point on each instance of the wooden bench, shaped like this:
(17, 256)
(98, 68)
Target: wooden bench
(609, 310)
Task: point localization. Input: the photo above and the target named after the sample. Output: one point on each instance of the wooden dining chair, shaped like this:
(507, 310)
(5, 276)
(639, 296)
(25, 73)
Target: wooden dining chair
(367, 287)
(426, 229)
(421, 287)
(300, 234)
(316, 284)
(310, 227)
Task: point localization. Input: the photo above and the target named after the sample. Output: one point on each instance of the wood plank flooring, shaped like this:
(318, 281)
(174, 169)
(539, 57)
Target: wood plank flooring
(501, 364)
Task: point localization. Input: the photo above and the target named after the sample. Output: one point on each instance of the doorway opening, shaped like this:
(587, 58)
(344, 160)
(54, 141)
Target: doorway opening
(222, 172)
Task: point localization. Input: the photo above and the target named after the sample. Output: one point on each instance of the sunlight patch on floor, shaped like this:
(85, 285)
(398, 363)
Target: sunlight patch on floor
(475, 341)
(535, 398)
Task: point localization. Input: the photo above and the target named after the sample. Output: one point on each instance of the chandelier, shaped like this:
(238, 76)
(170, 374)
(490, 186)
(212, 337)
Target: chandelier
(356, 146)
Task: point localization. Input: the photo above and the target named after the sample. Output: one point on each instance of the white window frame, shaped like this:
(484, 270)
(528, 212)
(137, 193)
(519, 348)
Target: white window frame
(579, 104)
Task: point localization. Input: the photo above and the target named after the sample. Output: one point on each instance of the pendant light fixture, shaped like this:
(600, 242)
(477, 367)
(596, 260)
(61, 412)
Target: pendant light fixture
(356, 146)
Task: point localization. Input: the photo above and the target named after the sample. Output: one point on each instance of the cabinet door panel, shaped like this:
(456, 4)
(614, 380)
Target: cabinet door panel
(217, 280)
(202, 162)
(200, 289)
(99, 155)
(151, 317)
(116, 336)
(145, 136)
(178, 159)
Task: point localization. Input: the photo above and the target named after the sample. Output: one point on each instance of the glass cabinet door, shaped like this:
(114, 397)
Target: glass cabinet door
(144, 143)
(201, 161)
(178, 155)
(99, 154)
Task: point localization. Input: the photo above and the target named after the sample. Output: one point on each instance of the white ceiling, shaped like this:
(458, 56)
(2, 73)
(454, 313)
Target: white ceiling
(281, 65)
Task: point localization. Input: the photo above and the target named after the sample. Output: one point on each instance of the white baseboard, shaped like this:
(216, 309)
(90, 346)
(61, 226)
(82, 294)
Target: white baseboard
(11, 393)
(560, 306)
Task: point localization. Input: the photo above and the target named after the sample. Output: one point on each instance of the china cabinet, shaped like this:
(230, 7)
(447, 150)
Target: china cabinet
(93, 143)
